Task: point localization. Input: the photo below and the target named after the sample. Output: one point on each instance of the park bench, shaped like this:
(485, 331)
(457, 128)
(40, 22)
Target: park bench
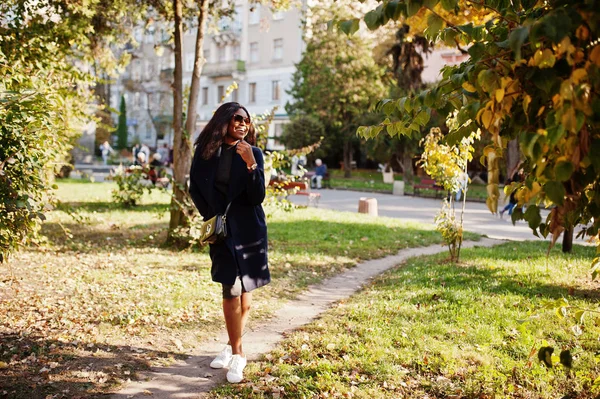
(303, 189)
(428, 184)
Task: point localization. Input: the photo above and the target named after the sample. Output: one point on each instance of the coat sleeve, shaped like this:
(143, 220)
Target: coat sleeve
(195, 193)
(255, 186)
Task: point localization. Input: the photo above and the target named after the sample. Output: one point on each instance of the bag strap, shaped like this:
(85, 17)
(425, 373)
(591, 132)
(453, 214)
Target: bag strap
(227, 209)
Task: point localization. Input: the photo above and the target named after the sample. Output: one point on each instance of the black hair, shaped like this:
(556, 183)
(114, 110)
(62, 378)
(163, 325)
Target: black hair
(211, 137)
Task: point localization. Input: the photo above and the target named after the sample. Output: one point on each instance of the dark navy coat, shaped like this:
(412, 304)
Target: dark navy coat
(244, 251)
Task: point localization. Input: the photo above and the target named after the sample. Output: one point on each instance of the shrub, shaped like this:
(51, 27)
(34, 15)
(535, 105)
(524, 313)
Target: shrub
(131, 184)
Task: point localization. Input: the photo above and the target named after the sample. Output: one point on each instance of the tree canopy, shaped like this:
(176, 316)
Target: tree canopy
(335, 80)
(533, 74)
(48, 53)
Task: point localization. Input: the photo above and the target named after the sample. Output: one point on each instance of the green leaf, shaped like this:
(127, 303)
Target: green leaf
(435, 24)
(430, 3)
(412, 7)
(373, 16)
(555, 191)
(533, 217)
(449, 5)
(516, 39)
(476, 51)
(350, 26)
(422, 118)
(488, 80)
(563, 170)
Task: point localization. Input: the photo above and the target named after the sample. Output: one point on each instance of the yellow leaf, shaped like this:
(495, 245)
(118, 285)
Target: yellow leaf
(499, 95)
(569, 120)
(578, 75)
(486, 118)
(541, 110)
(526, 102)
(469, 87)
(566, 90)
(3, 365)
(547, 59)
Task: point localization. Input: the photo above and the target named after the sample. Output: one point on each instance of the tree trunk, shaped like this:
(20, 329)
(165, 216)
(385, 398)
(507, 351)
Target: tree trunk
(347, 158)
(567, 244)
(103, 128)
(182, 146)
(512, 157)
(180, 140)
(190, 123)
(408, 175)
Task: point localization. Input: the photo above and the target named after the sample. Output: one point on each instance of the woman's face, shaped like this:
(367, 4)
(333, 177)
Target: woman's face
(238, 126)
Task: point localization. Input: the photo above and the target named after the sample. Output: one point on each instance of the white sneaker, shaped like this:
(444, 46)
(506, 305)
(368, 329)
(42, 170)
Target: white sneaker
(223, 359)
(236, 369)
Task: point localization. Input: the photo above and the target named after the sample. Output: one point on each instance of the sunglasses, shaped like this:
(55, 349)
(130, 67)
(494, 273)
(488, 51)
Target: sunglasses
(239, 119)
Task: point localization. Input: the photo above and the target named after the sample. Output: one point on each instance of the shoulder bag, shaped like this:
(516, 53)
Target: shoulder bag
(214, 230)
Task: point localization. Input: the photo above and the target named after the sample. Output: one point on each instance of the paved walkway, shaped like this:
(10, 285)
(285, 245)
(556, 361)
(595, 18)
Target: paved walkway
(193, 378)
(477, 217)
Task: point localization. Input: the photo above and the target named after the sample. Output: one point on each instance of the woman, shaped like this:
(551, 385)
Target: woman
(227, 168)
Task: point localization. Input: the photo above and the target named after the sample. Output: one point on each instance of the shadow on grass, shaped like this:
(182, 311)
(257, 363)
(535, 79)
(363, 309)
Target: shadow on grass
(105, 206)
(41, 367)
(479, 272)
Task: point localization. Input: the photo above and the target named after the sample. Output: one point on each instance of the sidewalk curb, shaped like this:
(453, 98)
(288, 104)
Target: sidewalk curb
(193, 377)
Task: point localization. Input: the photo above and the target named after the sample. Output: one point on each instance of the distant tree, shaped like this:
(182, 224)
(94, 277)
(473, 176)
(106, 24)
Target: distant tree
(122, 125)
(303, 131)
(336, 80)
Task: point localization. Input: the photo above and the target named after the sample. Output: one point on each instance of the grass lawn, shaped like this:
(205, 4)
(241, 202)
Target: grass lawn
(431, 329)
(100, 296)
(371, 180)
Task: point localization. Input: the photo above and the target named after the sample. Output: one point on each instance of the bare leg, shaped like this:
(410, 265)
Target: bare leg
(236, 312)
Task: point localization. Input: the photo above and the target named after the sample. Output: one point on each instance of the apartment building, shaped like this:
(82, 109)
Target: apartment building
(257, 49)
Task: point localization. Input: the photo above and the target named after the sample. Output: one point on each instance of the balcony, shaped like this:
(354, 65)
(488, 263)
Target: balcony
(224, 69)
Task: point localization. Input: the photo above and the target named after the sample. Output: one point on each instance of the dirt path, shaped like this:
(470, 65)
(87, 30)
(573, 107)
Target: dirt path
(193, 377)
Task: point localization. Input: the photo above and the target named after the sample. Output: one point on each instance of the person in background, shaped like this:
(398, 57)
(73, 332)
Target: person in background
(320, 172)
(146, 151)
(134, 151)
(140, 159)
(227, 173)
(156, 171)
(164, 154)
(106, 150)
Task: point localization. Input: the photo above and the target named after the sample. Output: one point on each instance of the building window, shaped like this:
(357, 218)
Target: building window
(206, 54)
(252, 92)
(220, 93)
(278, 49)
(254, 17)
(205, 96)
(254, 52)
(236, 52)
(275, 90)
(189, 62)
(277, 132)
(221, 55)
(136, 100)
(149, 70)
(135, 70)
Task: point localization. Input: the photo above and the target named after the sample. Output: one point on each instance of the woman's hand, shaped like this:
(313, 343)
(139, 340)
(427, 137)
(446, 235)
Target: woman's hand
(245, 151)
